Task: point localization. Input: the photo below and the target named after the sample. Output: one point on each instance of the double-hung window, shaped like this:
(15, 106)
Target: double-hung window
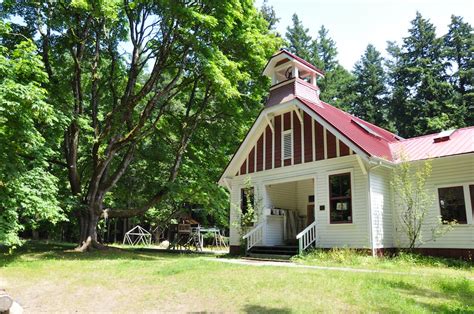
(340, 198)
(453, 203)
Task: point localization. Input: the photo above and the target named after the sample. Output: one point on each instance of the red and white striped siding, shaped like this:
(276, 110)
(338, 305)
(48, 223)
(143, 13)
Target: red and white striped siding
(311, 142)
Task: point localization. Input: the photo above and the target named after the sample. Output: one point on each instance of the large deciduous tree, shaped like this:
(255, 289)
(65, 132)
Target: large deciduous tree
(146, 79)
(28, 134)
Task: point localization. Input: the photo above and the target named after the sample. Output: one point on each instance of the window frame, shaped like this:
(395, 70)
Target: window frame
(471, 201)
(242, 191)
(468, 202)
(290, 131)
(351, 182)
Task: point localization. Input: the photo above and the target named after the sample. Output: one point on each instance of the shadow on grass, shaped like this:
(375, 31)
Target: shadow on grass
(459, 292)
(252, 308)
(41, 250)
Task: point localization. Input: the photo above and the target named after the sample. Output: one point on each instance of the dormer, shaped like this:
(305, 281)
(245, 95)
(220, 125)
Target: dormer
(291, 77)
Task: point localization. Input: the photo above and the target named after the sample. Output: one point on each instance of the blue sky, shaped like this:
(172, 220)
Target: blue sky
(355, 24)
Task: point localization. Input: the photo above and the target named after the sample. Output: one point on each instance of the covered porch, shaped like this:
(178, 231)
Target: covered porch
(287, 222)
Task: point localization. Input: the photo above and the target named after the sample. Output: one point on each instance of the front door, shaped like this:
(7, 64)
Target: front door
(309, 214)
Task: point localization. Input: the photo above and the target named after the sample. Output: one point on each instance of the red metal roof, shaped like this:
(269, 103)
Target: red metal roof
(460, 142)
(342, 121)
(389, 146)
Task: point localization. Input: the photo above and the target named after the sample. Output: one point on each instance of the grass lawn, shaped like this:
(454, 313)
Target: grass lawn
(406, 263)
(42, 277)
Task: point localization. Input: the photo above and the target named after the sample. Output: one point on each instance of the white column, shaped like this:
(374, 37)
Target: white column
(295, 71)
(274, 79)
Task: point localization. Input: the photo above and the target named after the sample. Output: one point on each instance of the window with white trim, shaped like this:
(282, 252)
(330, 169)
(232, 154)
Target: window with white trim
(287, 144)
(340, 198)
(453, 204)
(471, 194)
(247, 199)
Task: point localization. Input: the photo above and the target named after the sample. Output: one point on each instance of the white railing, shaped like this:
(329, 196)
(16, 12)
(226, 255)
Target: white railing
(254, 236)
(306, 237)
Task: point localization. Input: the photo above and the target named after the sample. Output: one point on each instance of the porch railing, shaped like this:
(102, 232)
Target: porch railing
(254, 236)
(307, 237)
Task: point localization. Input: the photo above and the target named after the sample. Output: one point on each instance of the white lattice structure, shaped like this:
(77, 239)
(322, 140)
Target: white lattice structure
(137, 235)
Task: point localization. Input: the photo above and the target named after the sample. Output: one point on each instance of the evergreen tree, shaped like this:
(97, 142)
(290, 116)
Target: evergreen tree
(335, 86)
(326, 50)
(422, 99)
(369, 88)
(459, 52)
(299, 41)
(269, 15)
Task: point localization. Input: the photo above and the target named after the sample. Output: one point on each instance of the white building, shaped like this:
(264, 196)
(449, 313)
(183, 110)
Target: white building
(323, 176)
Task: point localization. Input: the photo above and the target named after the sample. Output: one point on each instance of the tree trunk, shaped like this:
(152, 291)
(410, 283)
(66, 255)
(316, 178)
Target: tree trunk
(35, 234)
(88, 223)
(115, 230)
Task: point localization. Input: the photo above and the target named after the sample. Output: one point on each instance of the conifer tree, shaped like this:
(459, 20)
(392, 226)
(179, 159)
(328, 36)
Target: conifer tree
(326, 50)
(299, 41)
(459, 52)
(335, 86)
(369, 88)
(422, 98)
(269, 15)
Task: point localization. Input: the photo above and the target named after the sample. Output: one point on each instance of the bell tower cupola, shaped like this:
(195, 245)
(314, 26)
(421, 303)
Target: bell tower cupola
(291, 77)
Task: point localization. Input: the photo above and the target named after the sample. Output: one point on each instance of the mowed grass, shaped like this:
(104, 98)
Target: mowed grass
(43, 277)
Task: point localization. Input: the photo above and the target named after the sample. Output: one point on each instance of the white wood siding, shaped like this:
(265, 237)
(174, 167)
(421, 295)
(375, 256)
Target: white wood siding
(354, 235)
(234, 232)
(274, 230)
(452, 170)
(381, 206)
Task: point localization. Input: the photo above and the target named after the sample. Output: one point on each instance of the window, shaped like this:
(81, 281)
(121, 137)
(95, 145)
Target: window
(471, 193)
(340, 204)
(287, 144)
(452, 204)
(246, 199)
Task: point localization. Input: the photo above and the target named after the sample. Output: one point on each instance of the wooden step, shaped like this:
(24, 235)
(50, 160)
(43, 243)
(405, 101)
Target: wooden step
(281, 250)
(268, 257)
